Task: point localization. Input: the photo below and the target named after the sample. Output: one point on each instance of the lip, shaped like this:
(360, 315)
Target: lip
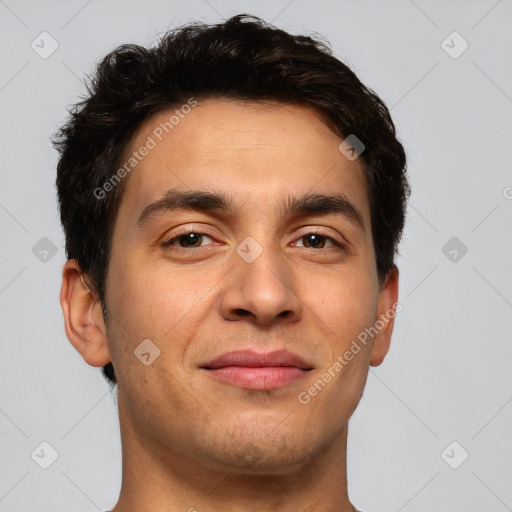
(253, 359)
(252, 370)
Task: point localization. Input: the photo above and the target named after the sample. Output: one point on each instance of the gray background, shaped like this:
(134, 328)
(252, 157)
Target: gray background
(448, 375)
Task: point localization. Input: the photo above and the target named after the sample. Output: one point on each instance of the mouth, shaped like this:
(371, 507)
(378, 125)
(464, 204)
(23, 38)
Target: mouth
(252, 370)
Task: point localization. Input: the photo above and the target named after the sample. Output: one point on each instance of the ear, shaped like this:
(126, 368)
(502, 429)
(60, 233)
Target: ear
(387, 308)
(83, 319)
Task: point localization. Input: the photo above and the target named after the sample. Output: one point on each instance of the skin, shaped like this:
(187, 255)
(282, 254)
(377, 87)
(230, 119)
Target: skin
(190, 442)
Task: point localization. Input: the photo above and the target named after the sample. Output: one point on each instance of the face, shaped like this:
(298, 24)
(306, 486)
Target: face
(257, 248)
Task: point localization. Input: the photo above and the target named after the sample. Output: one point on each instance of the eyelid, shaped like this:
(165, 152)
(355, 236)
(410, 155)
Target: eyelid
(202, 230)
(337, 239)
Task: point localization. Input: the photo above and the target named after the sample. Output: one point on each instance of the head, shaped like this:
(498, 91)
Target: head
(230, 131)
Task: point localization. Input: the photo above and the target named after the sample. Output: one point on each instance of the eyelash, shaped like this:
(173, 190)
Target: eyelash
(175, 238)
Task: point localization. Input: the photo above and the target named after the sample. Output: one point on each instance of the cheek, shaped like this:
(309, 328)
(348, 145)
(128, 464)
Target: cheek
(343, 376)
(158, 300)
(346, 303)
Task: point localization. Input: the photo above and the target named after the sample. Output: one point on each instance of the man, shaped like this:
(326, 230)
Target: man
(232, 201)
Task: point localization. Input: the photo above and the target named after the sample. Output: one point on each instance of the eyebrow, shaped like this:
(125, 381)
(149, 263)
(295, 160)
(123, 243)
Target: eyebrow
(307, 204)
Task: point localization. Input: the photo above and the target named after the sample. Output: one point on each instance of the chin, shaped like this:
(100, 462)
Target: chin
(264, 451)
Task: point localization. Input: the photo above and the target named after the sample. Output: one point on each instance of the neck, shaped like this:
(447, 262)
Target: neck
(156, 478)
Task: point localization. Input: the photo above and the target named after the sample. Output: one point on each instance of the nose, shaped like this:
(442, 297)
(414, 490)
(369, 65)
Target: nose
(262, 291)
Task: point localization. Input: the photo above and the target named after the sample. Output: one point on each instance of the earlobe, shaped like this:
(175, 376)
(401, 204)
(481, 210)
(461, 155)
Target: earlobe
(387, 309)
(83, 318)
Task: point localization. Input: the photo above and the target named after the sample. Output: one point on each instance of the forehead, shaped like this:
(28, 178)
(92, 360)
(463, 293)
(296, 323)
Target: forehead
(253, 151)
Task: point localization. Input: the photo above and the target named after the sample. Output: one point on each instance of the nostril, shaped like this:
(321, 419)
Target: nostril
(242, 312)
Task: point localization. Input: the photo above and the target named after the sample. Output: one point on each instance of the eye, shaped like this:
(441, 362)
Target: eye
(188, 240)
(318, 241)
(193, 239)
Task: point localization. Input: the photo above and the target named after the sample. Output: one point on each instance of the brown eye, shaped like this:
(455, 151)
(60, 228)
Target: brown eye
(190, 240)
(313, 240)
(187, 240)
